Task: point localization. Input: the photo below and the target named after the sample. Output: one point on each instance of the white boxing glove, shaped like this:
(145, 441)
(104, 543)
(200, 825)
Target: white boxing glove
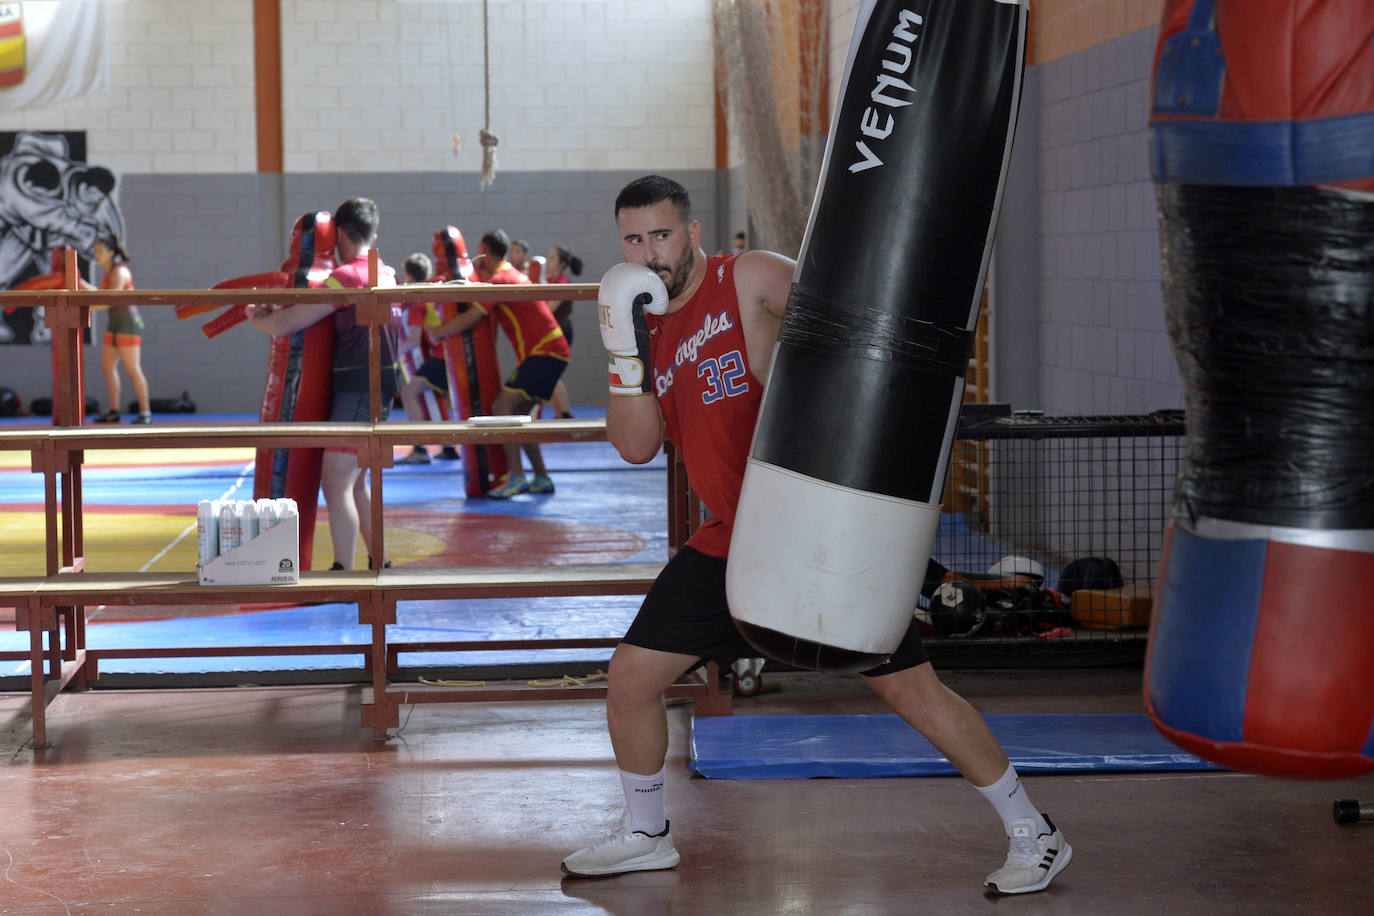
(627, 292)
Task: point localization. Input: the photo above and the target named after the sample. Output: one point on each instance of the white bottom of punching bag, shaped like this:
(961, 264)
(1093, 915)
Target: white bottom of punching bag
(822, 576)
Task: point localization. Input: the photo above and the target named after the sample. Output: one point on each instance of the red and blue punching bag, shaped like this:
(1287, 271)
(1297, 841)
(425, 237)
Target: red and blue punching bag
(1261, 653)
(841, 494)
(298, 388)
(474, 376)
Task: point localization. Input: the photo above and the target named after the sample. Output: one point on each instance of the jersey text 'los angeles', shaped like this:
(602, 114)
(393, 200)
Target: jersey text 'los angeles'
(710, 399)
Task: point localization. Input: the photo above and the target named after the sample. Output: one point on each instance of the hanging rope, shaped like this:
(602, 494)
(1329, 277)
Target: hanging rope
(488, 138)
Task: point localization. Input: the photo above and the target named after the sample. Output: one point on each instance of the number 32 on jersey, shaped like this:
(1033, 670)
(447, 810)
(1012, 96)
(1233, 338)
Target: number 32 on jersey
(725, 377)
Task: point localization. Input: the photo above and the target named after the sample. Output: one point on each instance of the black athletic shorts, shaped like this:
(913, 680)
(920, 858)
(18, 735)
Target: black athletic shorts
(536, 377)
(686, 612)
(434, 371)
(356, 406)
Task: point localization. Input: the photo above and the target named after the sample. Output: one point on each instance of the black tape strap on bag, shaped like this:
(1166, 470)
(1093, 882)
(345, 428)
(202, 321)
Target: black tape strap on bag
(822, 323)
(869, 394)
(1269, 296)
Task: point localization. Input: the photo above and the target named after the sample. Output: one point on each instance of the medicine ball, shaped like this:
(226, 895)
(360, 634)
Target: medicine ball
(1089, 572)
(958, 609)
(183, 404)
(42, 407)
(9, 403)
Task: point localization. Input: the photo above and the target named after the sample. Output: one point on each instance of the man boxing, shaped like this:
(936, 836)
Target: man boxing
(694, 366)
(541, 353)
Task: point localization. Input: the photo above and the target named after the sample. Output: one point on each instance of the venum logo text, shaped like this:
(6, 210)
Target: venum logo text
(877, 124)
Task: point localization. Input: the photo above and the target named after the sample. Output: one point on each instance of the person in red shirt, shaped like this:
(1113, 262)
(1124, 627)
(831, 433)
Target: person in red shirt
(694, 367)
(556, 267)
(346, 492)
(541, 355)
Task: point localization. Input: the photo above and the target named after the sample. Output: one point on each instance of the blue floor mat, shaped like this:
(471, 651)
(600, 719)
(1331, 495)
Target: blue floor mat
(806, 747)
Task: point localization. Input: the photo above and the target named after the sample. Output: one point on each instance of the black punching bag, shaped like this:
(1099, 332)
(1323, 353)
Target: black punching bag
(841, 496)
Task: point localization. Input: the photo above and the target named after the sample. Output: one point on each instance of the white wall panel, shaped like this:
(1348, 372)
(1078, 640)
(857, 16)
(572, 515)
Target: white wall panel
(572, 81)
(171, 61)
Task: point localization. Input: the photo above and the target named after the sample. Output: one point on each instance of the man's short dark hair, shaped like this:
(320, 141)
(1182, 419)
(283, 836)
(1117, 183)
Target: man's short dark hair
(522, 243)
(357, 217)
(497, 242)
(653, 189)
(418, 267)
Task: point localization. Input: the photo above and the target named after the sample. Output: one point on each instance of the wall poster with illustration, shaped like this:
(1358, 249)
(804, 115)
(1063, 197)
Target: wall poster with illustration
(50, 198)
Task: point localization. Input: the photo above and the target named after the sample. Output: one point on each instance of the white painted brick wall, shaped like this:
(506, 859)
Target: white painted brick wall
(575, 84)
(382, 86)
(170, 62)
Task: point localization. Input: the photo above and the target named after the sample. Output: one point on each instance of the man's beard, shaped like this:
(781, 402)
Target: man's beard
(679, 274)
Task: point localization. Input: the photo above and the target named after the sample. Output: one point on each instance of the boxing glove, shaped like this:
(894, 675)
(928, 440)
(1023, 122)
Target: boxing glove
(627, 292)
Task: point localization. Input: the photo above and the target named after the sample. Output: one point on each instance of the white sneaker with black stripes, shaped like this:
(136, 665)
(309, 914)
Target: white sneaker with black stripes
(626, 851)
(1032, 862)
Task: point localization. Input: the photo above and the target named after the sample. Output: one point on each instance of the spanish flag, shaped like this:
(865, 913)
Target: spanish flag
(51, 50)
(11, 44)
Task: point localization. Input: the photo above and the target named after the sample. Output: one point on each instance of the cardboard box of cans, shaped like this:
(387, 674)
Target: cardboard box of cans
(248, 542)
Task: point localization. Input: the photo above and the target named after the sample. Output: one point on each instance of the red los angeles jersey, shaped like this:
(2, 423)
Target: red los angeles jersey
(710, 399)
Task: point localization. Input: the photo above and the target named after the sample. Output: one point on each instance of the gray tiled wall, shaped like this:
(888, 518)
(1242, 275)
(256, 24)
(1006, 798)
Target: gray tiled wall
(1103, 346)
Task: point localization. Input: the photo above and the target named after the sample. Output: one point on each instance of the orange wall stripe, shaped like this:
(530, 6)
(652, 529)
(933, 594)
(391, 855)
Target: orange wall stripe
(814, 56)
(722, 129)
(1064, 27)
(267, 81)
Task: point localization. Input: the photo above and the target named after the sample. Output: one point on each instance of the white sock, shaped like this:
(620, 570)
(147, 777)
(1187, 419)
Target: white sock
(644, 801)
(1012, 802)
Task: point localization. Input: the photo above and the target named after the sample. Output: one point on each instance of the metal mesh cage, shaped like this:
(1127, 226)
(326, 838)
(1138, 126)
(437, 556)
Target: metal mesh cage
(1082, 501)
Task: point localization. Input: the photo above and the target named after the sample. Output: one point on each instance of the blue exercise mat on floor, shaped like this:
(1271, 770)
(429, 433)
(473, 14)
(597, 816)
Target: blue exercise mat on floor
(805, 747)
